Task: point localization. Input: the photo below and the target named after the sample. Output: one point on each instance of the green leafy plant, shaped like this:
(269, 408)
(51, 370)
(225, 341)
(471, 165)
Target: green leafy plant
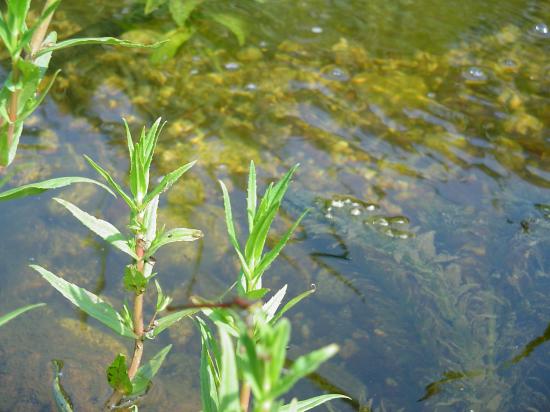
(255, 370)
(188, 15)
(30, 49)
(13, 314)
(130, 381)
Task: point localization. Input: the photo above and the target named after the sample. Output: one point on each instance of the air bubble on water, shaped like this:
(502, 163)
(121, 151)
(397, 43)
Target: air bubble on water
(475, 74)
(335, 73)
(329, 216)
(381, 222)
(329, 209)
(403, 235)
(348, 201)
(509, 63)
(371, 207)
(193, 72)
(196, 59)
(542, 30)
(337, 203)
(317, 30)
(355, 204)
(232, 66)
(262, 44)
(431, 95)
(355, 212)
(251, 87)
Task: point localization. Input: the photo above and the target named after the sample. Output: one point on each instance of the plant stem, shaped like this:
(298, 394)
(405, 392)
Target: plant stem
(245, 397)
(138, 328)
(40, 33)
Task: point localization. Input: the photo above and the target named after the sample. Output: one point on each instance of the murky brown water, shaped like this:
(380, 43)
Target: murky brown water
(422, 130)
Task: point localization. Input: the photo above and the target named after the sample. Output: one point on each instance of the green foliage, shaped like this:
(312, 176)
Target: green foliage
(117, 375)
(260, 218)
(19, 95)
(89, 303)
(13, 314)
(147, 371)
(61, 397)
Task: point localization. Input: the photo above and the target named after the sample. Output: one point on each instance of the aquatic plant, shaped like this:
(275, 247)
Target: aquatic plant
(30, 49)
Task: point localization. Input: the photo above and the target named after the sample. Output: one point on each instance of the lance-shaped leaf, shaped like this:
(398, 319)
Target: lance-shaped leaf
(179, 234)
(208, 371)
(291, 303)
(111, 182)
(167, 181)
(229, 380)
(306, 405)
(234, 24)
(301, 367)
(62, 399)
(111, 41)
(100, 227)
(168, 320)
(252, 197)
(271, 306)
(182, 9)
(13, 314)
(39, 187)
(162, 300)
(147, 371)
(87, 302)
(117, 375)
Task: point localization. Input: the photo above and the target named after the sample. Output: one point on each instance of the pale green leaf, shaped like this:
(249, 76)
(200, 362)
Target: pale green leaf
(229, 382)
(111, 41)
(62, 399)
(87, 302)
(271, 306)
(208, 372)
(179, 234)
(147, 371)
(301, 367)
(152, 5)
(167, 181)
(13, 314)
(111, 182)
(306, 405)
(39, 187)
(251, 198)
(102, 228)
(174, 40)
(290, 304)
(168, 320)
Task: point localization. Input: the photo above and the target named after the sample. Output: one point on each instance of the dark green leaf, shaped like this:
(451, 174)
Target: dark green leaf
(152, 5)
(87, 302)
(134, 281)
(229, 381)
(117, 375)
(39, 187)
(13, 314)
(234, 24)
(179, 234)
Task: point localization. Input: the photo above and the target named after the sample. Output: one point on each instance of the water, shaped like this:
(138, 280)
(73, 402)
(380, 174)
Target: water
(430, 119)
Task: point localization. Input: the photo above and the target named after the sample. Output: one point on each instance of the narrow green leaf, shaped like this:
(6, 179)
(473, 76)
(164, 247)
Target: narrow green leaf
(27, 35)
(167, 181)
(269, 257)
(162, 300)
(179, 234)
(257, 293)
(234, 24)
(208, 373)
(301, 367)
(150, 220)
(111, 182)
(33, 103)
(251, 198)
(102, 228)
(39, 187)
(117, 375)
(290, 304)
(168, 320)
(13, 314)
(62, 399)
(111, 41)
(87, 302)
(271, 306)
(147, 371)
(152, 5)
(229, 384)
(306, 405)
(281, 336)
(231, 230)
(182, 9)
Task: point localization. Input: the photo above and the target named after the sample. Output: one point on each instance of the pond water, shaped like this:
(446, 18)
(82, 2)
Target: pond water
(423, 133)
